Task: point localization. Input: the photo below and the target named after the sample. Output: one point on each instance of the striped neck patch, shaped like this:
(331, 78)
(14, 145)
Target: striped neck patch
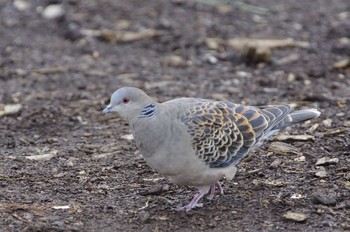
(148, 111)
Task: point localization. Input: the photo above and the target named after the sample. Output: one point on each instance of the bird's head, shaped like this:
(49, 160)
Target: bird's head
(128, 102)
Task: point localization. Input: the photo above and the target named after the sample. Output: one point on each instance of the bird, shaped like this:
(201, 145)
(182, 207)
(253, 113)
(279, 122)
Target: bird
(197, 142)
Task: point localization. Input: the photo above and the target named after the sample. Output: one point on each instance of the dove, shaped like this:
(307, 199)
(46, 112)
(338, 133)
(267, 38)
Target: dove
(197, 142)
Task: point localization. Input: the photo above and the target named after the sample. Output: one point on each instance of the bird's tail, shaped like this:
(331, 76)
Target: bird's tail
(297, 116)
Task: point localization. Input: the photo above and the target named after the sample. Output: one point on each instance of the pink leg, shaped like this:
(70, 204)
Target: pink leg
(193, 203)
(213, 188)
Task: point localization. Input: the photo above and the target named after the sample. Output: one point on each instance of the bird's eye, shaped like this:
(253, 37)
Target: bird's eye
(125, 100)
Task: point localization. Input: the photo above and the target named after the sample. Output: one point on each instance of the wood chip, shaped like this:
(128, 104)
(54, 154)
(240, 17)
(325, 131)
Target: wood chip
(240, 43)
(45, 156)
(342, 63)
(127, 36)
(282, 137)
(298, 217)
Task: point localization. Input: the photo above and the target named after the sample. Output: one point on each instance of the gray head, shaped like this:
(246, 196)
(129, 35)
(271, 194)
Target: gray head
(128, 102)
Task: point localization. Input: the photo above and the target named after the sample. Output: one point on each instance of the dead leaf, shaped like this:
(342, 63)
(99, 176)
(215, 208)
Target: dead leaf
(283, 148)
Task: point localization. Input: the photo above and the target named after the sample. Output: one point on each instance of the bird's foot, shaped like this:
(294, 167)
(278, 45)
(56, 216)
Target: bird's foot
(212, 190)
(193, 203)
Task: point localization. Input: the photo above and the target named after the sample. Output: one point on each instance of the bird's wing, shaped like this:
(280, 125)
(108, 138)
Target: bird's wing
(223, 132)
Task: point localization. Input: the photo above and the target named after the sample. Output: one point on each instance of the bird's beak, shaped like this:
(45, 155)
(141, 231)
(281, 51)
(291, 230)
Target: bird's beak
(107, 109)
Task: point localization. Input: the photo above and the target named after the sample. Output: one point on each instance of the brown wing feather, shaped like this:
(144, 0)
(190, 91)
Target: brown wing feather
(223, 132)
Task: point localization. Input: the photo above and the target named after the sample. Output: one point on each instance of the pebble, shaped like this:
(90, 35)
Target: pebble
(53, 11)
(324, 199)
(321, 173)
(327, 123)
(211, 59)
(21, 5)
(11, 109)
(326, 161)
(300, 159)
(298, 217)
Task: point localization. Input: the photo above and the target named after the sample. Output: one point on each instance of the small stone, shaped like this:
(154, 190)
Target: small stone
(347, 176)
(328, 122)
(11, 109)
(324, 199)
(174, 61)
(298, 217)
(127, 137)
(276, 163)
(300, 159)
(321, 173)
(21, 5)
(211, 59)
(326, 161)
(342, 63)
(53, 11)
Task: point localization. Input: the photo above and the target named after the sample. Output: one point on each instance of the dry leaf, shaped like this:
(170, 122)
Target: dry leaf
(283, 148)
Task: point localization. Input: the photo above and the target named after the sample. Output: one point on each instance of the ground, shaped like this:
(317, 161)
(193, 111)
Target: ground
(62, 70)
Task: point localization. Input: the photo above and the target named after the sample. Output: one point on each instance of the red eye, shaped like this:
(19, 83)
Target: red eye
(125, 100)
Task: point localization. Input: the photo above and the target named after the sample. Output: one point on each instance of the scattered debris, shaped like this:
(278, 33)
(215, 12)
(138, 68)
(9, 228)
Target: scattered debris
(254, 55)
(61, 207)
(126, 36)
(127, 137)
(283, 137)
(288, 59)
(327, 122)
(298, 217)
(21, 5)
(342, 63)
(45, 157)
(240, 43)
(174, 61)
(283, 149)
(326, 161)
(276, 163)
(322, 173)
(313, 128)
(10, 109)
(335, 132)
(300, 159)
(323, 199)
(297, 196)
(210, 59)
(53, 11)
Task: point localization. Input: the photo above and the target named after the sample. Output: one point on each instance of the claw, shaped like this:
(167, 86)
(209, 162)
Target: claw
(193, 203)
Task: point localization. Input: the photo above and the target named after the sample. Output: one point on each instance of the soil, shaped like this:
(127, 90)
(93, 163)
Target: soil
(62, 72)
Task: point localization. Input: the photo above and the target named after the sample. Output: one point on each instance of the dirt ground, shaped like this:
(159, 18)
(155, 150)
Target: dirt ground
(59, 68)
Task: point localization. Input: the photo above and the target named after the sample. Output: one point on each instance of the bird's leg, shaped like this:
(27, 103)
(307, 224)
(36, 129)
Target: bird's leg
(213, 188)
(194, 202)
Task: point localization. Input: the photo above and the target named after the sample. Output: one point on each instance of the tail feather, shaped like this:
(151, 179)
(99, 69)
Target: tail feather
(297, 117)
